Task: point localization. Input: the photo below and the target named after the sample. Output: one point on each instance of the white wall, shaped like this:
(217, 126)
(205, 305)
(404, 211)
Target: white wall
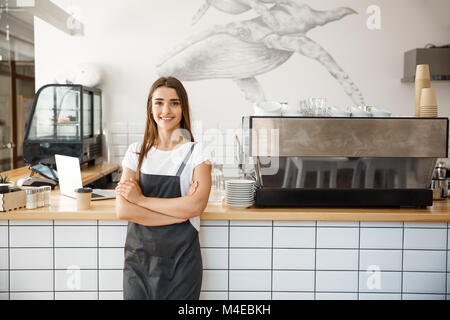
(126, 40)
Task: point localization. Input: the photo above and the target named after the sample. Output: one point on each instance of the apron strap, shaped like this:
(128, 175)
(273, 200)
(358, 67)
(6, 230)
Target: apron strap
(181, 168)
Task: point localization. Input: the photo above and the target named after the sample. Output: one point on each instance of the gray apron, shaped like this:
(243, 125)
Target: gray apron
(162, 262)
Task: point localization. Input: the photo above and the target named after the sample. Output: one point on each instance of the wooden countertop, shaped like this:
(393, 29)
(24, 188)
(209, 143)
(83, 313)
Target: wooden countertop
(88, 174)
(64, 208)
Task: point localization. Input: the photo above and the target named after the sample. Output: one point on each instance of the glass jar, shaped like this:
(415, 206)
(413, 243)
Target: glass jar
(40, 197)
(32, 200)
(46, 191)
(217, 185)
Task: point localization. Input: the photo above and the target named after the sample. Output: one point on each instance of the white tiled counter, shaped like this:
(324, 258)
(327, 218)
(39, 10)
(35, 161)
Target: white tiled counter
(68, 259)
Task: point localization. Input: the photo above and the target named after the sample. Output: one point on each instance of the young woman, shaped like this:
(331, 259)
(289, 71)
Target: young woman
(162, 204)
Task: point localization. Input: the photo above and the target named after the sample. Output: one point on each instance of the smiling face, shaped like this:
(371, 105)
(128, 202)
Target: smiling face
(166, 109)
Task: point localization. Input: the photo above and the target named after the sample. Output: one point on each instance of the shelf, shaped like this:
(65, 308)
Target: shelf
(59, 109)
(67, 123)
(59, 124)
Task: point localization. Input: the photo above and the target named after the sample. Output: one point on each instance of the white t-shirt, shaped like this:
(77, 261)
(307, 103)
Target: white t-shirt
(167, 163)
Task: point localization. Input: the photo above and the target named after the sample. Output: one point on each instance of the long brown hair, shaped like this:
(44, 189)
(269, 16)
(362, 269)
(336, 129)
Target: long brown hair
(151, 128)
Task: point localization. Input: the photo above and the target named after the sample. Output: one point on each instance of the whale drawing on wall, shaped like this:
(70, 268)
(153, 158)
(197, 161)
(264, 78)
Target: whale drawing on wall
(242, 50)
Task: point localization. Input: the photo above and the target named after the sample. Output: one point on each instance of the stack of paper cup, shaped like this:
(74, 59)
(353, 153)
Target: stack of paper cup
(422, 81)
(428, 103)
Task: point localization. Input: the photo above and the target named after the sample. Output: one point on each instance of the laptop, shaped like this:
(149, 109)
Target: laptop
(69, 176)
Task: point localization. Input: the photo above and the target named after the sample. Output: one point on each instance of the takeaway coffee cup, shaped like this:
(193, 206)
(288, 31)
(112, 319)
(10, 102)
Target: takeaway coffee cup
(83, 196)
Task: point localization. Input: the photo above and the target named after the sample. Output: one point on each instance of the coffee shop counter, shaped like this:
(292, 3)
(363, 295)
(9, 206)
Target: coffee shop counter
(64, 208)
(57, 252)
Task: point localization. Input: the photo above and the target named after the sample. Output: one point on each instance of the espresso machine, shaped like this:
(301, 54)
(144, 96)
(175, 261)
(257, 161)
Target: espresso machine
(344, 162)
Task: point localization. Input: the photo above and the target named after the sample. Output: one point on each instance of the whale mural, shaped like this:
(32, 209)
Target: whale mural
(242, 50)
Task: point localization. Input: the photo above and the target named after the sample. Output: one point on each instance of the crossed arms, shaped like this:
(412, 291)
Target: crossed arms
(133, 206)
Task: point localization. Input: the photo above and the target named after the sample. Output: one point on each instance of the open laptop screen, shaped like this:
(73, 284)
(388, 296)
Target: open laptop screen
(69, 174)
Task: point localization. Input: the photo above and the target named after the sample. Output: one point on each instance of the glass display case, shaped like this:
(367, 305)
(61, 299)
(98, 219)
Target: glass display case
(66, 119)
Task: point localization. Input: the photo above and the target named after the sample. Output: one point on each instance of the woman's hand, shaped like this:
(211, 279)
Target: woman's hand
(130, 190)
(192, 188)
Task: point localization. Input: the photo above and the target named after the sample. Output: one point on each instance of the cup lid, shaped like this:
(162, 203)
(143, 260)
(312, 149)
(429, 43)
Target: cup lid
(83, 190)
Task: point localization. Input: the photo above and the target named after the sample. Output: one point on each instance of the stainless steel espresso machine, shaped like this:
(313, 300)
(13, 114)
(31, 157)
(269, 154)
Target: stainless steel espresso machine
(344, 162)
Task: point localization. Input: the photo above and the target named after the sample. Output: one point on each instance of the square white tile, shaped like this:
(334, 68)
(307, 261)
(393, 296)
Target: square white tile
(112, 223)
(118, 139)
(351, 224)
(39, 258)
(294, 237)
(294, 223)
(415, 296)
(423, 282)
(4, 261)
(378, 281)
(112, 236)
(134, 138)
(425, 239)
(4, 237)
(381, 238)
(4, 280)
(213, 295)
(254, 280)
(336, 259)
(448, 239)
(421, 260)
(76, 280)
(426, 225)
(83, 258)
(26, 236)
(31, 280)
(136, 127)
(213, 237)
(292, 296)
(110, 280)
(75, 236)
(448, 263)
(214, 223)
(75, 222)
(339, 238)
(215, 280)
(250, 237)
(76, 295)
(336, 296)
(346, 281)
(4, 296)
(111, 258)
(30, 222)
(294, 259)
(110, 295)
(31, 295)
(250, 258)
(250, 295)
(250, 223)
(385, 260)
(215, 258)
(293, 280)
(119, 127)
(380, 296)
(379, 224)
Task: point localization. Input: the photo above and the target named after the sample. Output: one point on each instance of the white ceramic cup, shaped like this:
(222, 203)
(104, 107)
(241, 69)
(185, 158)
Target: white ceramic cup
(267, 108)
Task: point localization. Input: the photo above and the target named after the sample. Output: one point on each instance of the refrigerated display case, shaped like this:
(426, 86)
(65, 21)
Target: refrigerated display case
(67, 120)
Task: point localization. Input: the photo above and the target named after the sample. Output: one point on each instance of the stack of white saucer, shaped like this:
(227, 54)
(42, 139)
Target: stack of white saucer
(240, 194)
